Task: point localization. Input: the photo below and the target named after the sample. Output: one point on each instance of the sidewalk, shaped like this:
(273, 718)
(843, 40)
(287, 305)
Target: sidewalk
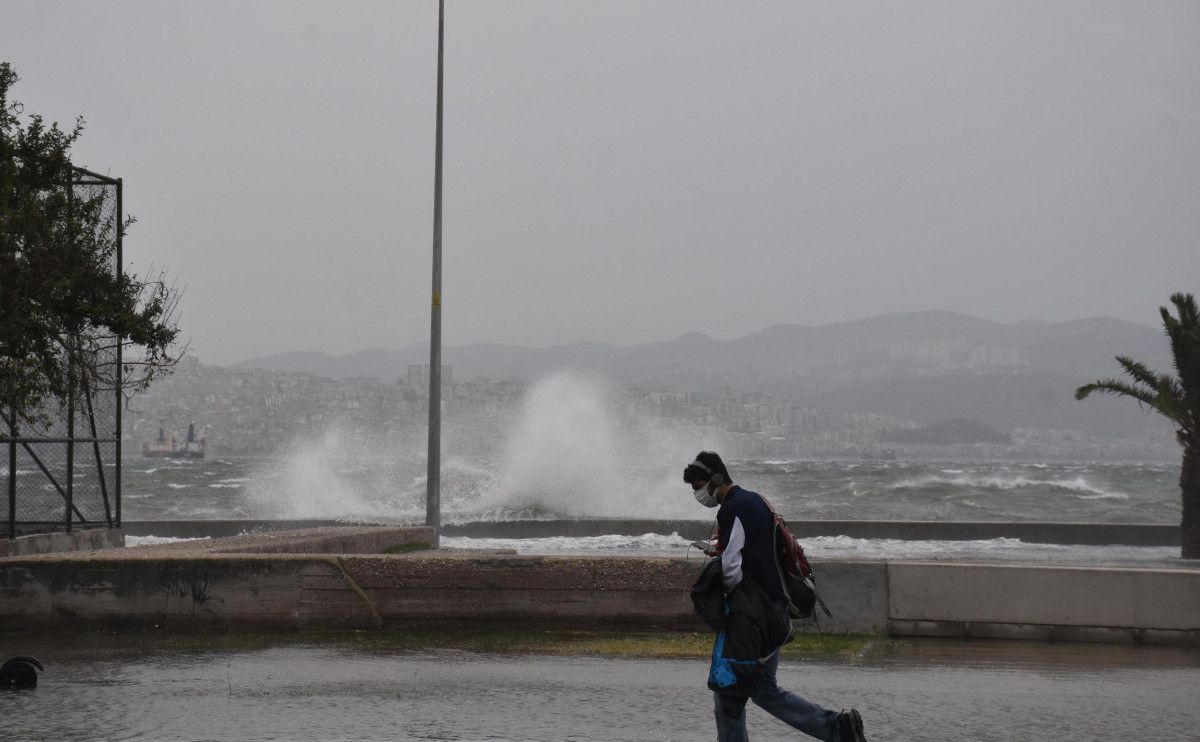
(923, 690)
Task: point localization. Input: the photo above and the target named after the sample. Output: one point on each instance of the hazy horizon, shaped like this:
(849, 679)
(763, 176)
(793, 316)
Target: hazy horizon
(626, 172)
(651, 341)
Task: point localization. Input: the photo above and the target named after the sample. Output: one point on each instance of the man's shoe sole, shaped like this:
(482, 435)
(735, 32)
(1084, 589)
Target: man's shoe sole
(856, 723)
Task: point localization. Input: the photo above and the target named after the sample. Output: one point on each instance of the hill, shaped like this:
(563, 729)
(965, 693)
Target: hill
(924, 366)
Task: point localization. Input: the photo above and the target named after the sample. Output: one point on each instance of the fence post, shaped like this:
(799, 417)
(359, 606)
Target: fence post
(70, 432)
(120, 267)
(12, 470)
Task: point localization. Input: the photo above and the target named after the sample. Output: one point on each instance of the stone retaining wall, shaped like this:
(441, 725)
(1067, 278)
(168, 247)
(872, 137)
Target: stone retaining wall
(339, 578)
(202, 584)
(50, 543)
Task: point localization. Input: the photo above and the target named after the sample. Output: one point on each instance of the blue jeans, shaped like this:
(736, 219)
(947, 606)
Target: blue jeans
(789, 708)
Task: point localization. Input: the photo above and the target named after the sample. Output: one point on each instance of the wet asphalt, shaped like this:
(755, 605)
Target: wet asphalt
(936, 690)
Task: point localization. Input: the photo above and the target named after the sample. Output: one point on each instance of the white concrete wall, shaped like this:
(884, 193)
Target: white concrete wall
(857, 595)
(1054, 596)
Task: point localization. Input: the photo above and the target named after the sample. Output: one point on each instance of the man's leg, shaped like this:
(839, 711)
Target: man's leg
(791, 709)
(731, 718)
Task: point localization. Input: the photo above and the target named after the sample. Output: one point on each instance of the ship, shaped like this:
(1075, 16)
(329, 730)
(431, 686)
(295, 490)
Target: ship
(192, 448)
(168, 448)
(160, 447)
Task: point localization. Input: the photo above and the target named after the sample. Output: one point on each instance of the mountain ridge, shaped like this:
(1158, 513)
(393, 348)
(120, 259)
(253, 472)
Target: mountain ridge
(920, 366)
(302, 360)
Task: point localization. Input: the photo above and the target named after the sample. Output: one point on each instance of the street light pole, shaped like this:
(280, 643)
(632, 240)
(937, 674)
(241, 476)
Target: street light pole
(433, 494)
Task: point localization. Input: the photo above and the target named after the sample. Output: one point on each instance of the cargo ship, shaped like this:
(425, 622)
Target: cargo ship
(192, 448)
(167, 448)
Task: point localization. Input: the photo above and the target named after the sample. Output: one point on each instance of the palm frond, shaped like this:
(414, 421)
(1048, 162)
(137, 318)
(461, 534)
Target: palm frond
(1161, 399)
(1185, 306)
(1139, 372)
(1172, 403)
(1118, 388)
(1184, 334)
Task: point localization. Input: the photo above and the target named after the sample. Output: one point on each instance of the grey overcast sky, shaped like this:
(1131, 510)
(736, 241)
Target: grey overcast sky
(629, 171)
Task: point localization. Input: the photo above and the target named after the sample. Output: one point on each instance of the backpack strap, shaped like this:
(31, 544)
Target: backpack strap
(776, 523)
(783, 588)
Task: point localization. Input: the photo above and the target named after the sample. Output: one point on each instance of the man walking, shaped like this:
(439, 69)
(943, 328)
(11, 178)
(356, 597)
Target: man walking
(746, 652)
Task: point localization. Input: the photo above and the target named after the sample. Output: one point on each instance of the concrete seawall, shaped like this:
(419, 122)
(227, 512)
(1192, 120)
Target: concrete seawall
(279, 580)
(1092, 534)
(49, 543)
(1035, 602)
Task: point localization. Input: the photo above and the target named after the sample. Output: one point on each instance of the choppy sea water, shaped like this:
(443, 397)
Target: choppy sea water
(375, 491)
(819, 490)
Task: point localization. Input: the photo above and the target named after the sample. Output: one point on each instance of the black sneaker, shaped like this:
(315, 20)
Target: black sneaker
(850, 726)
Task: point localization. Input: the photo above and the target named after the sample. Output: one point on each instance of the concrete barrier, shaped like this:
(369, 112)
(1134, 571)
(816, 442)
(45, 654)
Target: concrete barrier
(194, 592)
(1020, 601)
(289, 591)
(276, 580)
(1093, 534)
(340, 540)
(649, 592)
(857, 596)
(50, 543)
(220, 528)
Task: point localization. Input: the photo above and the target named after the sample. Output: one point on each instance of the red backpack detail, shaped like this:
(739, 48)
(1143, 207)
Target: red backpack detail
(795, 573)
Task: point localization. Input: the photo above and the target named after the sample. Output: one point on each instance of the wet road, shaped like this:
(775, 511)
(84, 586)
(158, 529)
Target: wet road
(926, 690)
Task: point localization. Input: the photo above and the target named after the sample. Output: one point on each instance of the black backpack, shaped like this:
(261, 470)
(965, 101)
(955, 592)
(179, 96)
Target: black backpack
(795, 573)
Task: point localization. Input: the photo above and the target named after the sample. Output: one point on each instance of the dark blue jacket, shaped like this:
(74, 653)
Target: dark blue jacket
(746, 542)
(750, 628)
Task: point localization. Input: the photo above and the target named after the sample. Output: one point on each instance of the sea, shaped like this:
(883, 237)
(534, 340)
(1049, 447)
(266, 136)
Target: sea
(321, 484)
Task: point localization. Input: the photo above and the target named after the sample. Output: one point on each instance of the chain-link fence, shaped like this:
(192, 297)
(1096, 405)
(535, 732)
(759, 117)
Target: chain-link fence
(66, 474)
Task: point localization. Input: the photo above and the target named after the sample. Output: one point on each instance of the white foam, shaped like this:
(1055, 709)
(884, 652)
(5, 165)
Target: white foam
(996, 549)
(647, 543)
(1008, 483)
(155, 540)
(842, 547)
(175, 486)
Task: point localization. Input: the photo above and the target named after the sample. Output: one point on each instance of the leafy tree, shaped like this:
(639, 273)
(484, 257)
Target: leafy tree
(63, 309)
(1175, 397)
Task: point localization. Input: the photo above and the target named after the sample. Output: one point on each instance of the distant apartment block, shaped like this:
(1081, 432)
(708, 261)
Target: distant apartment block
(418, 375)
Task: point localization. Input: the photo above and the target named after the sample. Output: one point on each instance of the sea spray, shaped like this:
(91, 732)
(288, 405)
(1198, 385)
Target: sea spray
(333, 475)
(578, 451)
(573, 449)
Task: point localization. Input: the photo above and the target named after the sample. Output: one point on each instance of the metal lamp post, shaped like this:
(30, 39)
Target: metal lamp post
(433, 495)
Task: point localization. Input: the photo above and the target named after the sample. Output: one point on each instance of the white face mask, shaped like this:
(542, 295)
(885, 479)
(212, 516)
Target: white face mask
(706, 498)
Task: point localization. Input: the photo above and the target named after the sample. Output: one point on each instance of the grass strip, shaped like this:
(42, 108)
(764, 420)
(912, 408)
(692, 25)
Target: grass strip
(464, 637)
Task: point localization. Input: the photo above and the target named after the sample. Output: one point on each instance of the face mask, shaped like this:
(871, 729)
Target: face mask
(706, 498)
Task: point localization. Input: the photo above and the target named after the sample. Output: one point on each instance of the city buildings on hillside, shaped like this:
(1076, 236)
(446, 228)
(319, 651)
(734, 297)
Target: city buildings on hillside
(255, 411)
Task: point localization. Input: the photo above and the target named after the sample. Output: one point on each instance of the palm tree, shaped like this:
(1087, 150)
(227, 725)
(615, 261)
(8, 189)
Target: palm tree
(1177, 399)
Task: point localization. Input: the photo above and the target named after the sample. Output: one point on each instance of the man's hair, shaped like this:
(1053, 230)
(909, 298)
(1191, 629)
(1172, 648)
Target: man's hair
(712, 460)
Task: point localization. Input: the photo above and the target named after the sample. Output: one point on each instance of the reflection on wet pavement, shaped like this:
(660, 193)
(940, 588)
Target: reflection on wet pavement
(924, 690)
